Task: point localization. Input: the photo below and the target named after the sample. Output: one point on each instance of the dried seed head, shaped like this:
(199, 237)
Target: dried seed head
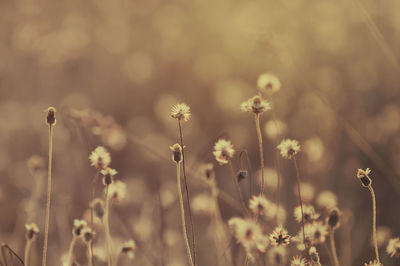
(98, 207)
(129, 248)
(51, 116)
(288, 148)
(393, 248)
(176, 152)
(31, 231)
(223, 151)
(241, 174)
(181, 112)
(314, 256)
(87, 234)
(100, 158)
(268, 83)
(333, 219)
(78, 226)
(363, 175)
(255, 105)
(108, 175)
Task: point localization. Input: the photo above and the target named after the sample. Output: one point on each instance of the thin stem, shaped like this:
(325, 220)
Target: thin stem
(91, 214)
(333, 247)
(260, 148)
(238, 189)
(46, 230)
(182, 209)
(90, 253)
(107, 228)
(300, 200)
(187, 194)
(328, 252)
(374, 222)
(71, 251)
(27, 251)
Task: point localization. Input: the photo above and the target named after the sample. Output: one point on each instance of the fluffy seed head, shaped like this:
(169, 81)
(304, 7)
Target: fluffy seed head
(255, 105)
(393, 247)
(363, 175)
(129, 248)
(316, 232)
(100, 158)
(223, 151)
(280, 237)
(298, 261)
(248, 233)
(181, 112)
(288, 148)
(51, 116)
(31, 231)
(309, 213)
(261, 206)
(268, 83)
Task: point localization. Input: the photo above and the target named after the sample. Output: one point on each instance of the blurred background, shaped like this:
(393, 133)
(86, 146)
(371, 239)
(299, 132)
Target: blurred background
(113, 69)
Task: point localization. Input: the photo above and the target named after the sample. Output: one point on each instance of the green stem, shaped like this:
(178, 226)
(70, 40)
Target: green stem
(260, 148)
(46, 230)
(374, 222)
(333, 247)
(182, 209)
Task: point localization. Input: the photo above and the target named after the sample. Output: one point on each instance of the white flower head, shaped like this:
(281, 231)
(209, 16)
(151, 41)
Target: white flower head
(268, 83)
(393, 247)
(223, 151)
(100, 158)
(108, 175)
(181, 112)
(129, 248)
(255, 105)
(279, 237)
(31, 231)
(289, 148)
(117, 191)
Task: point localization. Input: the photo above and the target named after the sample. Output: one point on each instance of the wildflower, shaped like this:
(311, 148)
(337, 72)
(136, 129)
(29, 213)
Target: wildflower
(280, 237)
(262, 206)
(316, 232)
(277, 256)
(108, 175)
(78, 226)
(51, 116)
(307, 191)
(31, 231)
(88, 234)
(300, 243)
(248, 233)
(177, 152)
(298, 261)
(268, 83)
(98, 207)
(314, 254)
(333, 219)
(181, 112)
(289, 148)
(393, 248)
(373, 263)
(129, 248)
(207, 172)
(100, 158)
(255, 105)
(327, 199)
(223, 151)
(117, 191)
(363, 175)
(309, 213)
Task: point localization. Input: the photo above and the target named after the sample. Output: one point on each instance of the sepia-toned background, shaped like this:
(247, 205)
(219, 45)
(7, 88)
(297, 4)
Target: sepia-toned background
(113, 69)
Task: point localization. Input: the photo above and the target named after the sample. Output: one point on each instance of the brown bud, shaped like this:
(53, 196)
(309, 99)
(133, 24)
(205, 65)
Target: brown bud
(51, 116)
